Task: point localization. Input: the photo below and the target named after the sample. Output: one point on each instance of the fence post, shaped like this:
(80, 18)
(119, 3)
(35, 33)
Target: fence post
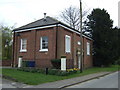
(20, 61)
(46, 71)
(63, 63)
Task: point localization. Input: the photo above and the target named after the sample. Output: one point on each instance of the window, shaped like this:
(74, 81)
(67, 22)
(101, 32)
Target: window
(23, 47)
(44, 44)
(67, 44)
(88, 48)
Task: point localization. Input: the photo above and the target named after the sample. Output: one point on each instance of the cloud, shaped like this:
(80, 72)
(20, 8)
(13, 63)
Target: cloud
(25, 11)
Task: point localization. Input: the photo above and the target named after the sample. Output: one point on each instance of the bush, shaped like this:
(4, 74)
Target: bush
(62, 73)
(56, 63)
(50, 71)
(27, 69)
(117, 62)
(53, 71)
(41, 71)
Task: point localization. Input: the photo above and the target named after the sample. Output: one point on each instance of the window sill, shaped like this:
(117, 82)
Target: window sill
(68, 52)
(43, 50)
(23, 50)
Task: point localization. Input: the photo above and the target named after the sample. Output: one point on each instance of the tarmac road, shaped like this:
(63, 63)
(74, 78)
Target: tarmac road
(109, 81)
(10, 84)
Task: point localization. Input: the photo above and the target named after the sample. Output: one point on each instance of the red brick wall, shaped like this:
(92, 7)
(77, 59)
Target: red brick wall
(74, 46)
(33, 46)
(61, 43)
(87, 58)
(43, 59)
(29, 55)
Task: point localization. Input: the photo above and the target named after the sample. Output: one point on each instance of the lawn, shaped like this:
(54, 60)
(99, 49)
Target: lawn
(38, 78)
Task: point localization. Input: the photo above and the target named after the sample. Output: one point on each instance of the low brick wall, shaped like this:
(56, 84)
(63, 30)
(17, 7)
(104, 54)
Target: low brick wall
(6, 62)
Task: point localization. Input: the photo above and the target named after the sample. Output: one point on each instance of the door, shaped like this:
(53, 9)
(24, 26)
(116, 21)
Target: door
(79, 62)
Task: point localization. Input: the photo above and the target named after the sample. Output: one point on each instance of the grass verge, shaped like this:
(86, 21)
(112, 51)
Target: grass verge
(38, 78)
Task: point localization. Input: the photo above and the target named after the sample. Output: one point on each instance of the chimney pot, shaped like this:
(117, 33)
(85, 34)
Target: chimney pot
(45, 16)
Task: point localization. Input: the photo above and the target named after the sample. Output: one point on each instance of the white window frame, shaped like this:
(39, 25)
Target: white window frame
(66, 44)
(41, 49)
(88, 48)
(21, 42)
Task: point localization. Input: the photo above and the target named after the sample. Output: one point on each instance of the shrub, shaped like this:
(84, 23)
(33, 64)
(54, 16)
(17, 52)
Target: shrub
(52, 71)
(62, 73)
(41, 71)
(27, 69)
(118, 61)
(56, 63)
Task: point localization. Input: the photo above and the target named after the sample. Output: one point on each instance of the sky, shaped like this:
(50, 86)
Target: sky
(20, 12)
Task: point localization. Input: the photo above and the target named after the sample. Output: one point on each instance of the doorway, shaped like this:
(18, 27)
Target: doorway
(79, 62)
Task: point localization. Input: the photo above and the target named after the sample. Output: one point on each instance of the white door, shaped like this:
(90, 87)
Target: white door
(79, 62)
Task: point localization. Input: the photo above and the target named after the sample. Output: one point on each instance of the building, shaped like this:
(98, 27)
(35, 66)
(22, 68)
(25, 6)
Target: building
(47, 39)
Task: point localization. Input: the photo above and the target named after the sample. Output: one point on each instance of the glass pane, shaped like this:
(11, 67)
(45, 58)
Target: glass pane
(44, 42)
(67, 44)
(24, 43)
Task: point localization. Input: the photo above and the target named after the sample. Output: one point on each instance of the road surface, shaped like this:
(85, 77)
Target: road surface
(108, 81)
(10, 84)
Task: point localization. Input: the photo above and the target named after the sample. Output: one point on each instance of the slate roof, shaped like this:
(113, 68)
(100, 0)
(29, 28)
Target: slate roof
(43, 22)
(39, 23)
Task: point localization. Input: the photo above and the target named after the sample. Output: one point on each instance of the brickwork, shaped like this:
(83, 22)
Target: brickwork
(43, 59)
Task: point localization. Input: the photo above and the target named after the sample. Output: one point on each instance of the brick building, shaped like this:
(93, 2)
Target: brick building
(47, 39)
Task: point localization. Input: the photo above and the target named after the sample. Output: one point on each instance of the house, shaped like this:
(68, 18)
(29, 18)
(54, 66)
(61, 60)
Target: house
(47, 39)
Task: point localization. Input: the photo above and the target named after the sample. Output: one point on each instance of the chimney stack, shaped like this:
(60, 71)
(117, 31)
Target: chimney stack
(44, 16)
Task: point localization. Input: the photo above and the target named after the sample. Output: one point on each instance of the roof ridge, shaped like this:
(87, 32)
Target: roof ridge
(53, 18)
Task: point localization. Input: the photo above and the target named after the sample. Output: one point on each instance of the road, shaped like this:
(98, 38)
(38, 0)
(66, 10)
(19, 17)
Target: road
(109, 81)
(10, 84)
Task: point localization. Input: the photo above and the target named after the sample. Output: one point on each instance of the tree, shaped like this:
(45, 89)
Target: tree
(100, 26)
(71, 16)
(6, 42)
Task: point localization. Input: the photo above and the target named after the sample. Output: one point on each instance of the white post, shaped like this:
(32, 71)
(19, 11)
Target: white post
(63, 63)
(20, 62)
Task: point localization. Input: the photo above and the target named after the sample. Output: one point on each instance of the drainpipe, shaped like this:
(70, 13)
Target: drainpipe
(35, 46)
(13, 45)
(56, 39)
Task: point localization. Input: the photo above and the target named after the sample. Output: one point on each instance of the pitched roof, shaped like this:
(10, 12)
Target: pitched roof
(44, 22)
(38, 23)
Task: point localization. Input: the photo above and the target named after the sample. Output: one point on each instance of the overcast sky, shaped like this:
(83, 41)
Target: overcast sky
(21, 12)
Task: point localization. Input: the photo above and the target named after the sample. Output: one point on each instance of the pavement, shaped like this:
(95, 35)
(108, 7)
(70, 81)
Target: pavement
(68, 82)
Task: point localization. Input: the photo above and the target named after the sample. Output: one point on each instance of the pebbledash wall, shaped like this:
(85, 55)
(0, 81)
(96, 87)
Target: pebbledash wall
(56, 47)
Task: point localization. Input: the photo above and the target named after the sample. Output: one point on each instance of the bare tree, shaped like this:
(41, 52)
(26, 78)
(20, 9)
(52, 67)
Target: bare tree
(71, 16)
